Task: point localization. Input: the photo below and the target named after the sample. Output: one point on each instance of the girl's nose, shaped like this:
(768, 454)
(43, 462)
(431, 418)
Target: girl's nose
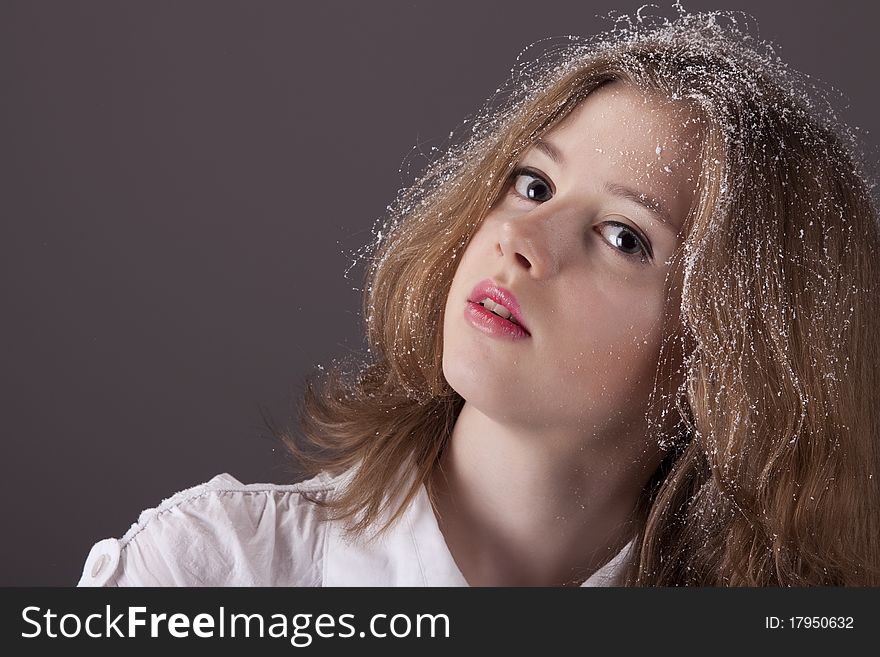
(531, 242)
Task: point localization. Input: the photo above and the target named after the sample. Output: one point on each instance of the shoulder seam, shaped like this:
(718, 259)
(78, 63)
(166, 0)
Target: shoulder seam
(168, 505)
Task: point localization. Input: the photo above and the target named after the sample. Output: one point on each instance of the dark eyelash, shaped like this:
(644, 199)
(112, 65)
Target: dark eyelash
(518, 171)
(646, 253)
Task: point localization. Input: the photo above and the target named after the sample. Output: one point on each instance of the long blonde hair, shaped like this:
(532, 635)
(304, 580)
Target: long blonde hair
(772, 448)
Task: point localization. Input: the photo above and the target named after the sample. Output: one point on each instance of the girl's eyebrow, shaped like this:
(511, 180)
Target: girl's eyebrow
(651, 204)
(549, 150)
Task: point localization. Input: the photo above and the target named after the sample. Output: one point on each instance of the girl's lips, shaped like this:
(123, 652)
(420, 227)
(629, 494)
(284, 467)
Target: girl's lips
(488, 289)
(491, 324)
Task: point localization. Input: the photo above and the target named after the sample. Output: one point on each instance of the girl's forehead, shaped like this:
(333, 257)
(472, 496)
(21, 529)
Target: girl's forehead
(625, 135)
(622, 114)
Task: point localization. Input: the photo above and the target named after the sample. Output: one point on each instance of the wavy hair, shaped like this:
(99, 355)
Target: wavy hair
(763, 400)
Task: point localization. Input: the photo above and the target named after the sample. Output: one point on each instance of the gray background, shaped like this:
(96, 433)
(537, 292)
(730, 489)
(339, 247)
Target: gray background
(181, 187)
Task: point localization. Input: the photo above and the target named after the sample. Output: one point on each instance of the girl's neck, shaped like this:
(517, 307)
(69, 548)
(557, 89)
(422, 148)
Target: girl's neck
(520, 507)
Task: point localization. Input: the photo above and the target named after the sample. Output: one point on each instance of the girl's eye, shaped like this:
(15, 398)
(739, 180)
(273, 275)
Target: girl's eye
(625, 239)
(531, 186)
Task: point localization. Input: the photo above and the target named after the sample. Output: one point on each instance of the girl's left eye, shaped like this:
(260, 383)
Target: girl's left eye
(625, 239)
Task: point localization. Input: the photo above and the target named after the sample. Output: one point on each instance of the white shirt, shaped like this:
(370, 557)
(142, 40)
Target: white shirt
(225, 533)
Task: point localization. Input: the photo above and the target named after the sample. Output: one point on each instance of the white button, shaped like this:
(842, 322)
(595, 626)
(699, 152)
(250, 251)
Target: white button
(100, 562)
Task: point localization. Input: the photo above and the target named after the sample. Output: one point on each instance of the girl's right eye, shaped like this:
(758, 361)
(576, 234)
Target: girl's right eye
(531, 186)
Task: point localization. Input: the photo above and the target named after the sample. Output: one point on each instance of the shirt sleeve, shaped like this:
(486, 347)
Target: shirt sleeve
(221, 533)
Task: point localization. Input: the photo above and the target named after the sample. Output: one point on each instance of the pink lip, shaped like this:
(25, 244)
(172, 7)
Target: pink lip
(486, 289)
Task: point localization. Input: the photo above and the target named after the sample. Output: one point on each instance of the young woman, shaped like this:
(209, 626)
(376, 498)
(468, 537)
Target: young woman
(625, 333)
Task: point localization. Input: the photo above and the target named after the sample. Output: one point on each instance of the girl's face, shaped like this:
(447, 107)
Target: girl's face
(582, 238)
